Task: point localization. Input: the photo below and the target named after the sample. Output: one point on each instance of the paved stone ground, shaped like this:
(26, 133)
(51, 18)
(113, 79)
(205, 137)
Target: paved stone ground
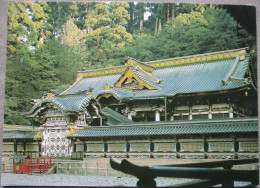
(11, 179)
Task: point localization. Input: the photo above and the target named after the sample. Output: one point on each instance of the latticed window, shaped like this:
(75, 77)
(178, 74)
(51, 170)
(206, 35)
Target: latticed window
(79, 147)
(20, 147)
(164, 147)
(95, 147)
(31, 147)
(248, 146)
(117, 147)
(192, 147)
(221, 146)
(7, 147)
(139, 147)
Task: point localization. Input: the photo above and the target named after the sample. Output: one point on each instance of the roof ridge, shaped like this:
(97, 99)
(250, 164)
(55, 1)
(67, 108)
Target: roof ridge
(162, 63)
(192, 59)
(198, 55)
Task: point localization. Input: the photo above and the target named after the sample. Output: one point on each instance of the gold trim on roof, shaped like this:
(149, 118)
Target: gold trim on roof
(150, 65)
(146, 67)
(20, 127)
(130, 62)
(102, 72)
(198, 58)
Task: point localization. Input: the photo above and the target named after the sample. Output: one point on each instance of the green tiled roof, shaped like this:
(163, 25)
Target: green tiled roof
(115, 115)
(174, 128)
(74, 102)
(19, 135)
(184, 78)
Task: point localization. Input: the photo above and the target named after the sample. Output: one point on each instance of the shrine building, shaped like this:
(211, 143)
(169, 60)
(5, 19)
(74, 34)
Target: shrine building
(199, 106)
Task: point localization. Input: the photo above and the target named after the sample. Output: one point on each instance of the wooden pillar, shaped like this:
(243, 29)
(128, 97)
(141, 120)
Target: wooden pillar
(172, 113)
(24, 146)
(127, 149)
(157, 115)
(205, 148)
(165, 108)
(84, 147)
(129, 115)
(210, 112)
(15, 146)
(178, 148)
(190, 113)
(231, 114)
(151, 148)
(39, 148)
(73, 148)
(105, 149)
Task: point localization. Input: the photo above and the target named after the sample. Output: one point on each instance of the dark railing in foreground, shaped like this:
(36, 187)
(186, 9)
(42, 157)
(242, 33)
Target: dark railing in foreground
(209, 173)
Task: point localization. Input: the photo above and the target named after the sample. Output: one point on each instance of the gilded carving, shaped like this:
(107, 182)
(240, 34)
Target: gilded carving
(129, 75)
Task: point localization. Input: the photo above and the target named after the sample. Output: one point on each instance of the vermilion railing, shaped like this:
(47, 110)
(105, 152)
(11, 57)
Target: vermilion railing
(30, 165)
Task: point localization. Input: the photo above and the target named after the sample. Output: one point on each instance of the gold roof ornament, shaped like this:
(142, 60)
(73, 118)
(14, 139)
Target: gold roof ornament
(133, 80)
(107, 86)
(90, 94)
(130, 62)
(38, 136)
(71, 130)
(49, 95)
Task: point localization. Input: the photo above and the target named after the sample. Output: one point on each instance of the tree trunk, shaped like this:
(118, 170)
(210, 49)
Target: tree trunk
(156, 25)
(131, 21)
(168, 13)
(173, 11)
(141, 23)
(160, 26)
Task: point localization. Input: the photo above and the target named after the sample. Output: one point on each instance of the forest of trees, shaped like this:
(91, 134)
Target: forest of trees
(48, 42)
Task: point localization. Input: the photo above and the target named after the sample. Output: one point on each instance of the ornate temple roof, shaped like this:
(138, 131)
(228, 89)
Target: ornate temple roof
(19, 132)
(74, 102)
(220, 71)
(192, 74)
(239, 125)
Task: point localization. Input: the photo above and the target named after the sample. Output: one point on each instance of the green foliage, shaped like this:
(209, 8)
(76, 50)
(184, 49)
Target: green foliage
(26, 23)
(104, 42)
(143, 47)
(71, 34)
(119, 15)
